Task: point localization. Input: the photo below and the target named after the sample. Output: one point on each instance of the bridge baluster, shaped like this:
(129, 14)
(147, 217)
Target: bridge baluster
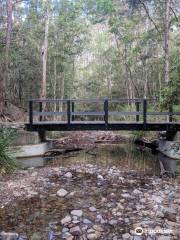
(145, 112)
(31, 112)
(137, 110)
(68, 112)
(40, 110)
(106, 111)
(170, 113)
(73, 117)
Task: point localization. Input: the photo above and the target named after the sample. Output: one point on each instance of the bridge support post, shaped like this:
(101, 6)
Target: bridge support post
(31, 112)
(170, 113)
(42, 135)
(106, 112)
(68, 112)
(137, 110)
(73, 111)
(40, 110)
(144, 113)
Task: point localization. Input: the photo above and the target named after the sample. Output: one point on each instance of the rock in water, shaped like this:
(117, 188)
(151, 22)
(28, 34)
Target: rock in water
(77, 213)
(8, 236)
(126, 236)
(136, 192)
(92, 209)
(94, 236)
(170, 214)
(76, 231)
(66, 220)
(62, 192)
(68, 175)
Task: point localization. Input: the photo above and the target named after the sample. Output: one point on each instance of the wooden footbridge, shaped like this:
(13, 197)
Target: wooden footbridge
(106, 114)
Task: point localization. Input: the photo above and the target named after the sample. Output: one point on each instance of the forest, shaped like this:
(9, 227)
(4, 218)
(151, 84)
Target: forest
(61, 49)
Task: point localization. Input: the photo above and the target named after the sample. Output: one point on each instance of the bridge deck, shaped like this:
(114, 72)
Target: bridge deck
(99, 125)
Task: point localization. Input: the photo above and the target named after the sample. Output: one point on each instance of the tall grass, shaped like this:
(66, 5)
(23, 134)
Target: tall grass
(7, 160)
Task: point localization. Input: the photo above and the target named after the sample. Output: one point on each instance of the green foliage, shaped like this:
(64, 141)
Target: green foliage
(170, 93)
(7, 160)
(96, 48)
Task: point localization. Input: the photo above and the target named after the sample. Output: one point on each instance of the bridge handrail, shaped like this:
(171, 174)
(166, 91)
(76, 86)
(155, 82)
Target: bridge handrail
(120, 100)
(70, 113)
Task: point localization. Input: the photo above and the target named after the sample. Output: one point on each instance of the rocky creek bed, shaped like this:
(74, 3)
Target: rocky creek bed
(105, 193)
(88, 202)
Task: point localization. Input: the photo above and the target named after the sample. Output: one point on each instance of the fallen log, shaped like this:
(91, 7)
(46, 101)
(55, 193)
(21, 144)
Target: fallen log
(57, 152)
(142, 143)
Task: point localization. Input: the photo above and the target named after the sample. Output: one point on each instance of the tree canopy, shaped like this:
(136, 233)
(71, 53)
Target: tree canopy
(103, 48)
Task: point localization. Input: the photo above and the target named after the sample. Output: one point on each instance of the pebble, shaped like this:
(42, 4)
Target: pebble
(126, 195)
(62, 192)
(100, 177)
(98, 228)
(75, 221)
(34, 174)
(77, 213)
(126, 236)
(92, 209)
(157, 199)
(113, 222)
(66, 220)
(65, 230)
(67, 236)
(100, 219)
(93, 236)
(126, 220)
(71, 194)
(75, 231)
(87, 221)
(68, 175)
(170, 214)
(159, 214)
(137, 238)
(136, 192)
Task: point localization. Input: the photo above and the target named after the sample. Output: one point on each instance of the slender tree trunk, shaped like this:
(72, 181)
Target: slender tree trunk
(8, 36)
(166, 40)
(145, 79)
(44, 56)
(61, 92)
(54, 85)
(2, 89)
(5, 67)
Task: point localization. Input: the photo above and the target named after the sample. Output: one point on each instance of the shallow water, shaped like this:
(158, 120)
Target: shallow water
(124, 156)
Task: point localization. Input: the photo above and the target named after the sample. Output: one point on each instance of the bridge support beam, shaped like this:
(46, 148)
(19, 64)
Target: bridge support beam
(42, 135)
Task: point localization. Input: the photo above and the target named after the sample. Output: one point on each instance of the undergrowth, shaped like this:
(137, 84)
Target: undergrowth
(7, 158)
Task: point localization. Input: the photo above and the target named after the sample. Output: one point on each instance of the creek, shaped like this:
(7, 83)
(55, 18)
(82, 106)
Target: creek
(102, 179)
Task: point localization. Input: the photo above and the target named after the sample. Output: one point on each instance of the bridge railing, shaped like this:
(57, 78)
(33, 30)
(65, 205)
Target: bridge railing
(39, 111)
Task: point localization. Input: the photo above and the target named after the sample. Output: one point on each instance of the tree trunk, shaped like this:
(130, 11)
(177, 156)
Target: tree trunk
(8, 36)
(55, 85)
(5, 67)
(145, 79)
(61, 92)
(2, 89)
(166, 40)
(44, 56)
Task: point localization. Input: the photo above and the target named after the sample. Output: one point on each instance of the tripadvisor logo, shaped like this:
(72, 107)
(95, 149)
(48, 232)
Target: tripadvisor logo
(139, 231)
